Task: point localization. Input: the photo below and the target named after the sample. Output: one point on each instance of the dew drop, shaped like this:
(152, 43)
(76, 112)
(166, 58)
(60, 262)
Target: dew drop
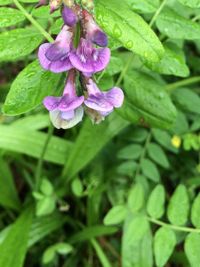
(129, 44)
(117, 32)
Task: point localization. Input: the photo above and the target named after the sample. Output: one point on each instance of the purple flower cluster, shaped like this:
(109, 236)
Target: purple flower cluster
(87, 59)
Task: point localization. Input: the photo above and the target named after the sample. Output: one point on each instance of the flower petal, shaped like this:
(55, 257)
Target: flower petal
(59, 122)
(67, 103)
(69, 16)
(99, 103)
(115, 96)
(89, 59)
(54, 66)
(51, 102)
(60, 66)
(55, 52)
(41, 55)
(99, 38)
(68, 115)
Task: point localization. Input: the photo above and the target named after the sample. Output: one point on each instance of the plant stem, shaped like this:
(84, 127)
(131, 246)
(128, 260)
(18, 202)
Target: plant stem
(172, 86)
(148, 140)
(33, 21)
(41, 159)
(124, 70)
(157, 13)
(174, 227)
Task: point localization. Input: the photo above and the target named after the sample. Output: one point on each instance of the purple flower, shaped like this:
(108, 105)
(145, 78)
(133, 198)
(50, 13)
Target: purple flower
(89, 59)
(65, 111)
(93, 31)
(55, 56)
(100, 103)
(69, 17)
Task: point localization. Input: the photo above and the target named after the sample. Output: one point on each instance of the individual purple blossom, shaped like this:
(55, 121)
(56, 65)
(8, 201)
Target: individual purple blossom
(100, 103)
(65, 111)
(69, 16)
(88, 59)
(93, 31)
(55, 56)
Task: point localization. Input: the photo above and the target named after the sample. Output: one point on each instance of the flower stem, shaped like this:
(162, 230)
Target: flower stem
(174, 227)
(144, 151)
(157, 13)
(38, 172)
(173, 86)
(33, 21)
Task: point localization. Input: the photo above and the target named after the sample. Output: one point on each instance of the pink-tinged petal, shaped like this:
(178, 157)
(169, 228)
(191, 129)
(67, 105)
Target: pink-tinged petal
(54, 66)
(99, 38)
(69, 16)
(41, 55)
(115, 96)
(68, 115)
(98, 103)
(51, 102)
(88, 59)
(93, 31)
(61, 123)
(55, 52)
(60, 66)
(92, 88)
(67, 103)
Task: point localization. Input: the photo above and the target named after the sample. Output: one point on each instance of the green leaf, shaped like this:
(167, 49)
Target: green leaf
(144, 6)
(130, 152)
(146, 101)
(178, 207)
(90, 141)
(192, 249)
(92, 232)
(118, 21)
(150, 170)
(187, 100)
(175, 26)
(5, 2)
(77, 187)
(163, 138)
(136, 242)
(45, 206)
(195, 213)
(115, 66)
(164, 243)
(8, 192)
(157, 154)
(115, 215)
(60, 248)
(173, 62)
(43, 226)
(156, 202)
(10, 16)
(31, 143)
(16, 44)
(29, 89)
(136, 198)
(190, 3)
(46, 187)
(14, 247)
(127, 168)
(33, 122)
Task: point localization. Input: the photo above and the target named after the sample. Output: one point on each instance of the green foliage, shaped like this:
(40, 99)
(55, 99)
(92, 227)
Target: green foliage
(121, 193)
